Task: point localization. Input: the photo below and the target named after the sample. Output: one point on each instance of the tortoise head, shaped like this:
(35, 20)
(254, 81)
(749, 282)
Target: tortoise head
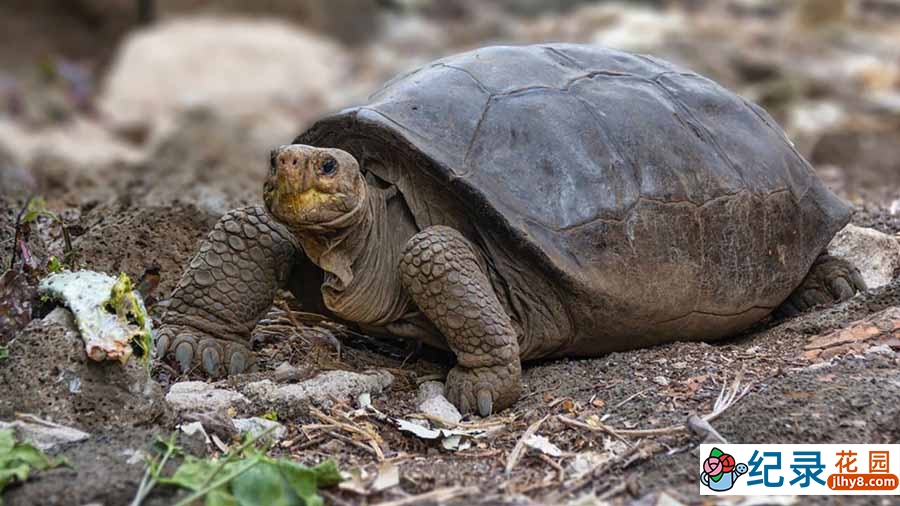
(310, 187)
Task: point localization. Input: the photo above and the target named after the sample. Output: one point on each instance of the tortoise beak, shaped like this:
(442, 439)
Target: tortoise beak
(289, 170)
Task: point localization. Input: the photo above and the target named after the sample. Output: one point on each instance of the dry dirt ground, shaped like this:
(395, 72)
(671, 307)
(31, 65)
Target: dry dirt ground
(619, 420)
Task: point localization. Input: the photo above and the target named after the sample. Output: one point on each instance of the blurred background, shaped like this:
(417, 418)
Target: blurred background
(142, 121)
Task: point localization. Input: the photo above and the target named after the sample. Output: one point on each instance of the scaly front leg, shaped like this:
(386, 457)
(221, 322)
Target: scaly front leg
(227, 288)
(440, 270)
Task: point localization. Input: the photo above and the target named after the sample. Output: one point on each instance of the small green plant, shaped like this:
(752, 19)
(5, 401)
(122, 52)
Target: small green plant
(18, 460)
(245, 476)
(4, 352)
(36, 208)
(271, 415)
(54, 265)
(126, 304)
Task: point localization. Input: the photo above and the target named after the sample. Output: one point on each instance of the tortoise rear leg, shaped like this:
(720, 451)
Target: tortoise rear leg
(440, 270)
(227, 288)
(829, 280)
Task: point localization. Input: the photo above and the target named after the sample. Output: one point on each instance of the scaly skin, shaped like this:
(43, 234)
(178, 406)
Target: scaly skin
(226, 290)
(829, 280)
(440, 271)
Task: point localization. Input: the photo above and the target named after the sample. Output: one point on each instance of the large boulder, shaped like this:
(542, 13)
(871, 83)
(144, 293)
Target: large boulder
(265, 69)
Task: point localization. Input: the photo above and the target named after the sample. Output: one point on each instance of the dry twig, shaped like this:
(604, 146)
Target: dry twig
(438, 495)
(519, 449)
(349, 427)
(727, 398)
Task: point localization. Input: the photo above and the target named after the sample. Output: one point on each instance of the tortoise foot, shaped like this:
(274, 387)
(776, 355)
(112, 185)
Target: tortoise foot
(190, 349)
(484, 390)
(830, 280)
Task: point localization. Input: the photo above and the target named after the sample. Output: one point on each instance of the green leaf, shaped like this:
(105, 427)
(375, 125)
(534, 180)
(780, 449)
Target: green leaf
(27, 454)
(4, 352)
(220, 497)
(36, 207)
(191, 474)
(7, 441)
(11, 474)
(17, 460)
(263, 486)
(247, 477)
(716, 453)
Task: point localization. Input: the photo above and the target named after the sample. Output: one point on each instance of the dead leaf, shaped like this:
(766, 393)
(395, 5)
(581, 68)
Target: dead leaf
(388, 476)
(543, 445)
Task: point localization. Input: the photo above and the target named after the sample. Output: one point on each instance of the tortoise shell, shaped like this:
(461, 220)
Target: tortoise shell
(642, 201)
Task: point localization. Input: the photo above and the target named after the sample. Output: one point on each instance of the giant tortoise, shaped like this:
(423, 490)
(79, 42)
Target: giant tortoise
(515, 203)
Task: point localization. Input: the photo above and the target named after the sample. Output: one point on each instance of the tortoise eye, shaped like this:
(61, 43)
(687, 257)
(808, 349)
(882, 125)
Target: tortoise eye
(328, 167)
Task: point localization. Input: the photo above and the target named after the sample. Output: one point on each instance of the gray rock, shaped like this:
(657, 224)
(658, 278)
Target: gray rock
(875, 254)
(256, 426)
(45, 435)
(287, 373)
(321, 389)
(431, 401)
(196, 396)
(49, 375)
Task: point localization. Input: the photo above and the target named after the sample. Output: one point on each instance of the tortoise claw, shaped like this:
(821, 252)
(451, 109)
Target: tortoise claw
(485, 402)
(162, 345)
(238, 363)
(184, 354)
(211, 360)
(215, 357)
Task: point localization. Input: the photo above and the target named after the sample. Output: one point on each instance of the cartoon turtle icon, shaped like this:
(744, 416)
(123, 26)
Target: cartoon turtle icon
(720, 471)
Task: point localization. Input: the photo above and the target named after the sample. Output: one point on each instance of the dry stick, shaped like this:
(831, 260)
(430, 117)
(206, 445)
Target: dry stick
(561, 473)
(306, 444)
(629, 399)
(441, 494)
(618, 489)
(519, 449)
(350, 440)
(600, 469)
(15, 245)
(373, 439)
(703, 430)
(727, 397)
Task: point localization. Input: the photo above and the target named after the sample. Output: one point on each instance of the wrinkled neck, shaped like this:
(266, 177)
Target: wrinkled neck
(362, 283)
(336, 245)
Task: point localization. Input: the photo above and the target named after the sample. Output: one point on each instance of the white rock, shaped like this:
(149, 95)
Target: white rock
(198, 396)
(83, 143)
(244, 67)
(431, 401)
(256, 426)
(875, 254)
(637, 28)
(45, 435)
(319, 389)
(881, 349)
